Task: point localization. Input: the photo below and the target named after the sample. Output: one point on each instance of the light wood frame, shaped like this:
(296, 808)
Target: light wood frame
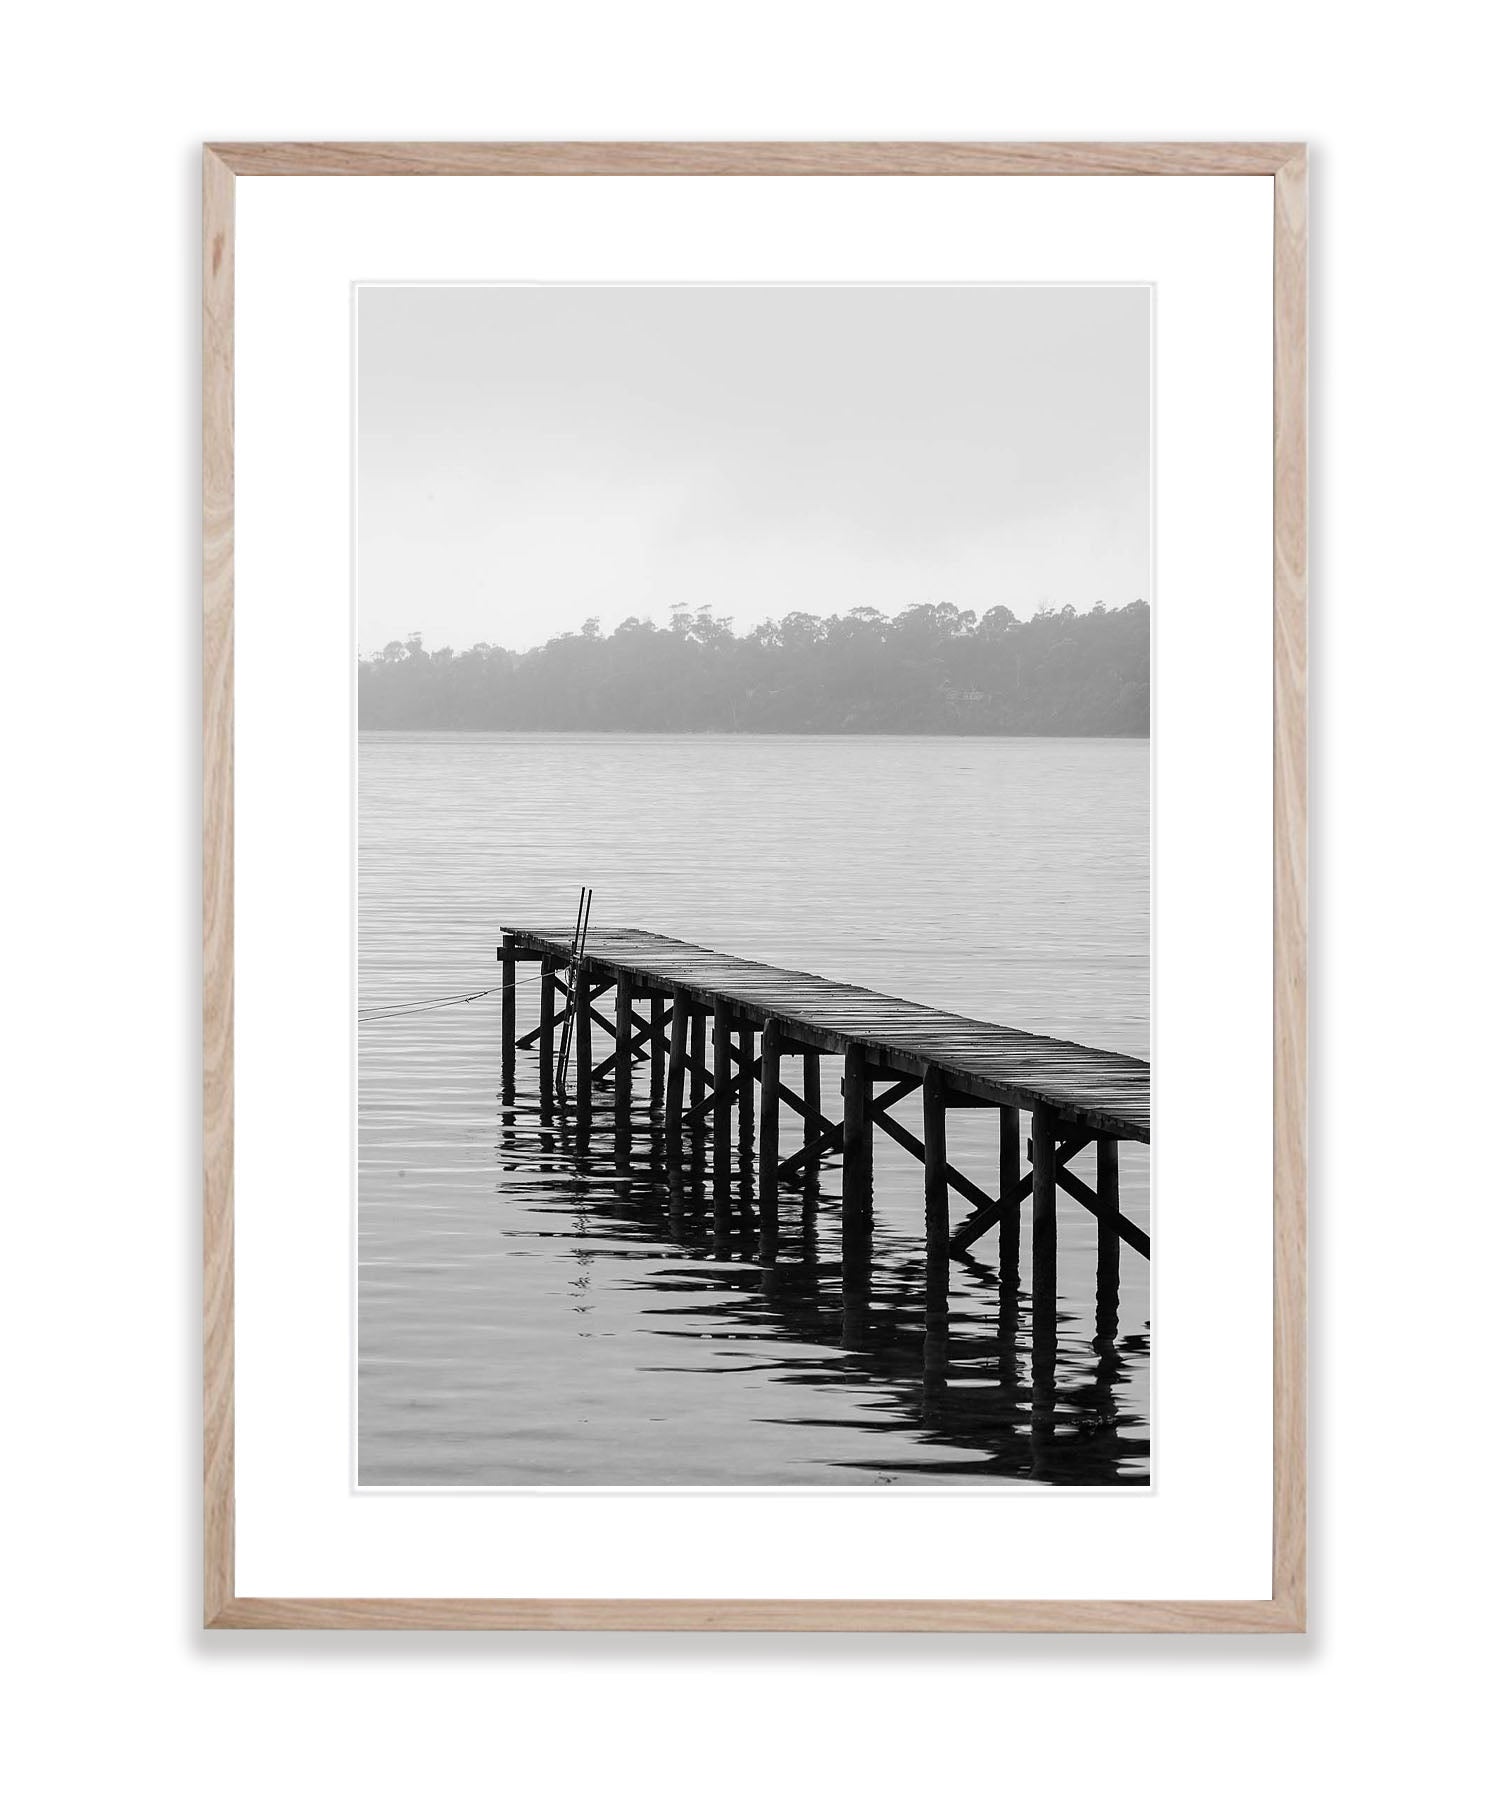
(1285, 1611)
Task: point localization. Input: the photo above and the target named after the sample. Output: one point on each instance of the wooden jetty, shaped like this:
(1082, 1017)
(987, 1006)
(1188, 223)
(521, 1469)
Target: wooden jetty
(695, 1014)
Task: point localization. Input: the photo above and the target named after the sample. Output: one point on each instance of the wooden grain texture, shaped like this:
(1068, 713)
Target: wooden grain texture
(755, 158)
(1289, 831)
(1285, 1611)
(447, 1614)
(218, 886)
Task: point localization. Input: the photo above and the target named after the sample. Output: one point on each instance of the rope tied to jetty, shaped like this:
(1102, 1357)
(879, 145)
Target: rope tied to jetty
(402, 1009)
(399, 1009)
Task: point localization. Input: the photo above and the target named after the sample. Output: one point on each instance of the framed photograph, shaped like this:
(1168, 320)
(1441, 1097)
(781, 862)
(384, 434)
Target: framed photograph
(755, 886)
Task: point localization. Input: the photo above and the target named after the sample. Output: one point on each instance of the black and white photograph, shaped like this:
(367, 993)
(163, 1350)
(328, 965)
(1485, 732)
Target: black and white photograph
(753, 885)
(727, 782)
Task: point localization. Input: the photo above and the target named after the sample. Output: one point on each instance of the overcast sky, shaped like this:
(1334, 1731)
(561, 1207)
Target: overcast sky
(532, 456)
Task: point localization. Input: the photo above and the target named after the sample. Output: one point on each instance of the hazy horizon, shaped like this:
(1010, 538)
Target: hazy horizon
(742, 629)
(531, 457)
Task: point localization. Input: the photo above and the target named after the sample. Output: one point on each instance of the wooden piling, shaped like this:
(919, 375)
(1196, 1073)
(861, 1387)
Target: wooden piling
(1010, 1147)
(935, 1189)
(1044, 1167)
(697, 1083)
(1043, 1196)
(545, 1029)
(856, 1216)
(859, 1142)
(1107, 1291)
(583, 1047)
(676, 1069)
(1107, 1188)
(812, 1095)
(770, 1147)
(1043, 1212)
(723, 1103)
(1010, 1176)
(658, 1049)
(507, 1009)
(747, 1088)
(624, 1061)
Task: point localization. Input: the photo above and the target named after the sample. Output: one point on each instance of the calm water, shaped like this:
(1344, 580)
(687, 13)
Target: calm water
(540, 1307)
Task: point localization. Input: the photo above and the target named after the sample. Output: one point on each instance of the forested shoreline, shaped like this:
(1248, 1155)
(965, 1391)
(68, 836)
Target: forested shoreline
(933, 668)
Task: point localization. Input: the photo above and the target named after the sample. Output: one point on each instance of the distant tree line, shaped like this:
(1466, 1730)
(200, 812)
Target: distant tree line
(931, 669)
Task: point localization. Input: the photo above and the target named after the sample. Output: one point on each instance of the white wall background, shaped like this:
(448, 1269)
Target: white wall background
(113, 1682)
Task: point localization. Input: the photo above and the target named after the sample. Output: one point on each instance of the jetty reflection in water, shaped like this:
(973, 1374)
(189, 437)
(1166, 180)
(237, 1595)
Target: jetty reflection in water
(1026, 1390)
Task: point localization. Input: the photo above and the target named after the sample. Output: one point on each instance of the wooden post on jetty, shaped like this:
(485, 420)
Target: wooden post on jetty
(545, 1051)
(935, 1191)
(1107, 1187)
(699, 1025)
(583, 1045)
(508, 1010)
(658, 1049)
(1043, 1277)
(1010, 1176)
(676, 1069)
(770, 1139)
(812, 1096)
(747, 1091)
(723, 1100)
(624, 1058)
(857, 1212)
(1008, 1319)
(1043, 1203)
(1107, 1291)
(859, 1142)
(812, 1119)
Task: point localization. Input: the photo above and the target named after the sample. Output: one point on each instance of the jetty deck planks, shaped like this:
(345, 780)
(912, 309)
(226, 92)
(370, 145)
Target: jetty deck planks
(1100, 1089)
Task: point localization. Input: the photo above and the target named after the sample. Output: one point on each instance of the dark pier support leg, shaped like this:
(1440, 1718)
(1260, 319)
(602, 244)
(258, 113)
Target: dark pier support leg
(1043, 1205)
(698, 1087)
(747, 1090)
(676, 1069)
(1108, 1190)
(1010, 1175)
(1009, 1321)
(583, 1050)
(1043, 1281)
(859, 1142)
(935, 1190)
(723, 1101)
(770, 1140)
(507, 1012)
(624, 1062)
(658, 1049)
(723, 1131)
(1107, 1187)
(697, 1084)
(1107, 1297)
(812, 1094)
(859, 1198)
(547, 1070)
